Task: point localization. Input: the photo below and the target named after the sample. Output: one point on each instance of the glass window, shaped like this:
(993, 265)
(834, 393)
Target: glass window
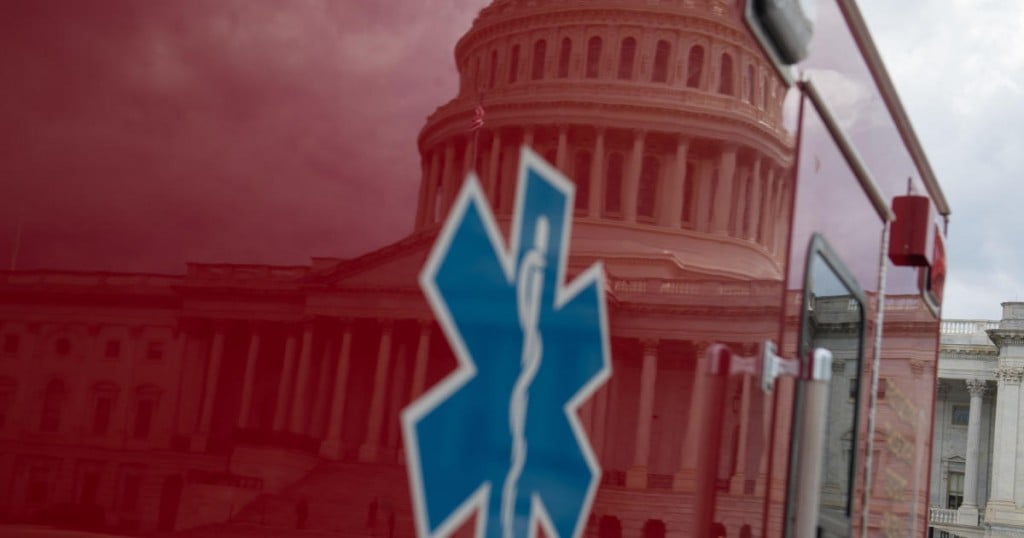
(955, 490)
(961, 415)
(833, 319)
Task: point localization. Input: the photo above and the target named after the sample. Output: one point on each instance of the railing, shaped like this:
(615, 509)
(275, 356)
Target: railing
(945, 516)
(967, 326)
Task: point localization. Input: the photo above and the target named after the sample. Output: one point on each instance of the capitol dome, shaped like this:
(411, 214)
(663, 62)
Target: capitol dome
(664, 113)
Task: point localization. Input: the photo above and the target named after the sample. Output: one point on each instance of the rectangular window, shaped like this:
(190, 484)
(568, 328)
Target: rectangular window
(155, 350)
(38, 485)
(853, 388)
(11, 344)
(112, 349)
(130, 488)
(101, 417)
(143, 419)
(955, 490)
(961, 415)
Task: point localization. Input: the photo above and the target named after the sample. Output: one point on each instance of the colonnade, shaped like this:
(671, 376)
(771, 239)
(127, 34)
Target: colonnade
(664, 179)
(311, 392)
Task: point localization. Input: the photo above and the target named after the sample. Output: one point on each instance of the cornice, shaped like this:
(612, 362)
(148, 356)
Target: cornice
(714, 121)
(1006, 337)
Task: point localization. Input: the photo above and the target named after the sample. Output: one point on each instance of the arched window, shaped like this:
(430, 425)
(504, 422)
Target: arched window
(146, 398)
(613, 185)
(694, 66)
(654, 528)
(626, 55)
(725, 76)
(609, 527)
(660, 73)
(751, 81)
(593, 57)
(513, 65)
(104, 398)
(648, 191)
(53, 402)
(581, 171)
(764, 93)
(494, 69)
(563, 58)
(540, 48)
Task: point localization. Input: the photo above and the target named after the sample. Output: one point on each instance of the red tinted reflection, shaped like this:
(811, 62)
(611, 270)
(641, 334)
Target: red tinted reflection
(218, 215)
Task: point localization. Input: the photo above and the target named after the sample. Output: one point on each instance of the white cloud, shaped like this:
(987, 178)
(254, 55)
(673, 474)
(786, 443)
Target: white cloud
(959, 68)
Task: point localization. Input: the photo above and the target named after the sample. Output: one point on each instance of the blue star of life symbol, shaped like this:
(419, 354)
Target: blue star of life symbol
(500, 436)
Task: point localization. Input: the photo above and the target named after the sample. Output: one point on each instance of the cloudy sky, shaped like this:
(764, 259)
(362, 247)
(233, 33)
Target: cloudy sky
(959, 68)
(140, 136)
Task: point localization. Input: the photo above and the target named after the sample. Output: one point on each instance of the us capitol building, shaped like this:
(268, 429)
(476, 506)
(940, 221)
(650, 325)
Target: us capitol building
(220, 399)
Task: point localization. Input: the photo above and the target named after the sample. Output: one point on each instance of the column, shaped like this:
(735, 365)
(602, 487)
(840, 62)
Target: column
(767, 214)
(284, 386)
(736, 484)
(596, 176)
(368, 452)
(968, 512)
(671, 211)
(755, 201)
(507, 184)
(636, 476)
(686, 478)
(210, 390)
(632, 184)
(249, 377)
(1001, 505)
(723, 190)
(493, 169)
(468, 156)
(561, 156)
(428, 215)
(419, 372)
(323, 380)
(449, 178)
(297, 422)
(331, 446)
(601, 419)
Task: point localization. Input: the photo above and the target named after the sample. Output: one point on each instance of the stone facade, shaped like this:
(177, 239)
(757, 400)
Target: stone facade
(976, 475)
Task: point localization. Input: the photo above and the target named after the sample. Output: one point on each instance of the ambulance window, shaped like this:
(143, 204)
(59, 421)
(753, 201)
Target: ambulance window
(833, 319)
